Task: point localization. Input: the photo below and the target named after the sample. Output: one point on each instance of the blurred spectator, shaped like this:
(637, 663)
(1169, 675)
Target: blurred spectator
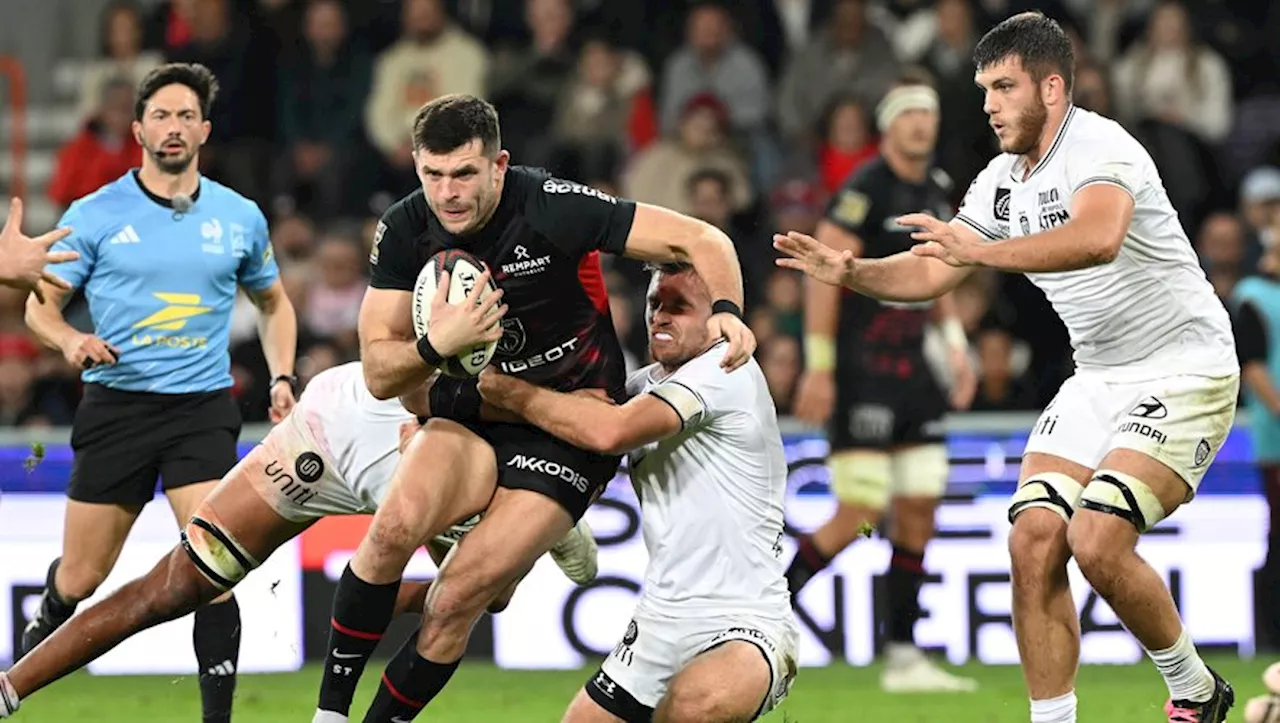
(795, 205)
(710, 194)
(783, 297)
(526, 80)
(714, 61)
(852, 55)
(847, 141)
(1092, 90)
(323, 87)
(104, 149)
(122, 56)
(1260, 204)
(24, 400)
(999, 387)
(1221, 246)
(968, 145)
(293, 239)
(780, 362)
(333, 299)
(432, 58)
(243, 115)
(660, 173)
(600, 103)
(1109, 25)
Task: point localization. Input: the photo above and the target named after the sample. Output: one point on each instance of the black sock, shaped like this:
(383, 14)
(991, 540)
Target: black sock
(217, 643)
(807, 563)
(361, 614)
(906, 573)
(56, 607)
(409, 683)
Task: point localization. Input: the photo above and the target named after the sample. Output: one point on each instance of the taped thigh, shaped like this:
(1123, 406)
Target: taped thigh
(920, 471)
(1124, 496)
(1053, 491)
(861, 477)
(216, 554)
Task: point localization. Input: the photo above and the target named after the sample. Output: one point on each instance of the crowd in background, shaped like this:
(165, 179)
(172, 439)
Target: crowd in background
(747, 114)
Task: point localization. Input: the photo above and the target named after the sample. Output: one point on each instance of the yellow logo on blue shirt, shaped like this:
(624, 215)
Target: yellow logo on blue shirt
(172, 317)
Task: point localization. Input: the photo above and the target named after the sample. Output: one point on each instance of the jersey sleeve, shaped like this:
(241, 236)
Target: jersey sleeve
(986, 205)
(700, 390)
(1117, 163)
(579, 219)
(392, 257)
(1250, 333)
(850, 209)
(83, 240)
(258, 270)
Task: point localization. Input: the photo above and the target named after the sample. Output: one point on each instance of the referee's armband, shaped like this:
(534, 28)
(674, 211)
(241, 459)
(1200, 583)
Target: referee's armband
(456, 399)
(687, 403)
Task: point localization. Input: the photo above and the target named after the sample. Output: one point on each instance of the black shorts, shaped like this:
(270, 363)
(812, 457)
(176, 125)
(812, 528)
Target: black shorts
(874, 412)
(530, 459)
(123, 441)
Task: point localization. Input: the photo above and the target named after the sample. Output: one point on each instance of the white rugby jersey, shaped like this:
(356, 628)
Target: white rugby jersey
(1151, 312)
(712, 494)
(357, 432)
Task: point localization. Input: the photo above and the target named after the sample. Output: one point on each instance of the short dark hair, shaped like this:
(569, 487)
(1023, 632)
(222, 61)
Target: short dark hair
(715, 175)
(670, 268)
(195, 76)
(452, 121)
(1035, 39)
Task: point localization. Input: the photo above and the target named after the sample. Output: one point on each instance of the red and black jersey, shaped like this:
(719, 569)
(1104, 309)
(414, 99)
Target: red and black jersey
(543, 246)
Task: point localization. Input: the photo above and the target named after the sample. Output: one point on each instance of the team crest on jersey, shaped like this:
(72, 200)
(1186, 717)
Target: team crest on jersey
(851, 208)
(1202, 452)
(1000, 207)
(513, 337)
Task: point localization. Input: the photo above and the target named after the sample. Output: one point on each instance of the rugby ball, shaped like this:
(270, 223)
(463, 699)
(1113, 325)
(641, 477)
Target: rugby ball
(464, 271)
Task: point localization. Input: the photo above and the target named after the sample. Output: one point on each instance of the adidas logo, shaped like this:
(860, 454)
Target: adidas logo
(223, 669)
(126, 236)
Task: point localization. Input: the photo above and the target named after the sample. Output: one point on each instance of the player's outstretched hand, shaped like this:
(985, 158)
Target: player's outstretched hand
(816, 259)
(23, 259)
(940, 240)
(282, 401)
(742, 342)
(84, 351)
(458, 327)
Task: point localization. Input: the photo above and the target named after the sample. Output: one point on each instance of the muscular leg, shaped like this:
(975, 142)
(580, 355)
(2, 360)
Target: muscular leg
(1045, 620)
(173, 588)
(518, 528)
(446, 474)
(92, 537)
(910, 529)
(727, 684)
(1103, 543)
(582, 709)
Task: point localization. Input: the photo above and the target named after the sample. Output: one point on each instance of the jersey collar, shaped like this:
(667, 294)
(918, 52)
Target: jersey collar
(1015, 172)
(161, 200)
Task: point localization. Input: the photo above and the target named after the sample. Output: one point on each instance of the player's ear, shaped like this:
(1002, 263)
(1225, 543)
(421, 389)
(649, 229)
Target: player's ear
(206, 128)
(501, 161)
(136, 127)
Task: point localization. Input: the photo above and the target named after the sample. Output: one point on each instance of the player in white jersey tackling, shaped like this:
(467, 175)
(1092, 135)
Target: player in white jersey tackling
(1076, 203)
(336, 453)
(713, 637)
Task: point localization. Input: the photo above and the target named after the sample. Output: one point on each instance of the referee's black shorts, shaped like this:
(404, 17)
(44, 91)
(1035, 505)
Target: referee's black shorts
(530, 459)
(123, 441)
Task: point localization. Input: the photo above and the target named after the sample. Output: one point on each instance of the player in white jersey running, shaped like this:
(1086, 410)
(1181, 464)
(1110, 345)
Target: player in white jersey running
(1076, 203)
(713, 637)
(336, 453)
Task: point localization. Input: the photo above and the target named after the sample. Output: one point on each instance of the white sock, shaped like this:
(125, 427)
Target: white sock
(8, 697)
(328, 716)
(1055, 710)
(1184, 672)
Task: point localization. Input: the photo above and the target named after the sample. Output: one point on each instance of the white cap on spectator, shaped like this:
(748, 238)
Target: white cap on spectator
(1260, 185)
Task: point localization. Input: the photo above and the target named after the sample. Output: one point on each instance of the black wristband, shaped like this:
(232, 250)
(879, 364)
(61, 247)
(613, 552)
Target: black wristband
(293, 381)
(456, 399)
(428, 352)
(724, 306)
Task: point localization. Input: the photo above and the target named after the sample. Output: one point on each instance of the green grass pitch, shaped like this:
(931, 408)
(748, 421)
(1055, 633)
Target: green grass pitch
(482, 693)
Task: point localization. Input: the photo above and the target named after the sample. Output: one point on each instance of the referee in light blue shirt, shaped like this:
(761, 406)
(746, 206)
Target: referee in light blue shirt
(162, 252)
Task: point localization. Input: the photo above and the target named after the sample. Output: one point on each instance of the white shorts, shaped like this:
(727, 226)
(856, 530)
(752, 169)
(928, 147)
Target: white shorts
(301, 482)
(1180, 420)
(635, 676)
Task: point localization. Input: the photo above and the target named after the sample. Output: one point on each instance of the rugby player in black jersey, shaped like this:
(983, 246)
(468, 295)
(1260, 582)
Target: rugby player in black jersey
(868, 379)
(540, 238)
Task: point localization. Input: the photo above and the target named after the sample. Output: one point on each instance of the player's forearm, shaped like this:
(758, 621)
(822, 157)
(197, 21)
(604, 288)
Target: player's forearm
(716, 261)
(1071, 246)
(393, 367)
(278, 332)
(901, 277)
(821, 317)
(1258, 380)
(45, 320)
(577, 419)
